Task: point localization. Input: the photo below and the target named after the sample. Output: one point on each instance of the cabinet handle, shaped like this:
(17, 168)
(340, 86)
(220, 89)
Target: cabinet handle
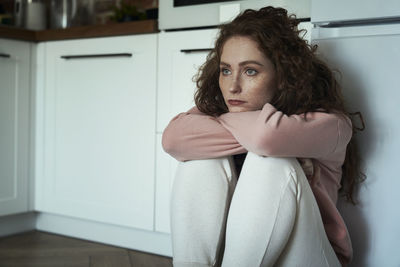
(97, 55)
(5, 55)
(196, 50)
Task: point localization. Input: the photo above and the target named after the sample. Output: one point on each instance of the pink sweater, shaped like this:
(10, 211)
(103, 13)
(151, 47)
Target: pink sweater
(319, 142)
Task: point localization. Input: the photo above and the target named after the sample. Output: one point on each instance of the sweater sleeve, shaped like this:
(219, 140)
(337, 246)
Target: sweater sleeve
(269, 132)
(194, 135)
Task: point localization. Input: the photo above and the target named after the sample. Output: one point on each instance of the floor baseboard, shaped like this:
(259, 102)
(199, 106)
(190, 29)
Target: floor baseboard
(131, 238)
(18, 223)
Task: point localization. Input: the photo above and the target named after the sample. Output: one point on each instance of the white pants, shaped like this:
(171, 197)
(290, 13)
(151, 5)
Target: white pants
(269, 217)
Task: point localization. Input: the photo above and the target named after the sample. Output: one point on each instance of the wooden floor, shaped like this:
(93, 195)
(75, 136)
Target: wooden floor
(39, 249)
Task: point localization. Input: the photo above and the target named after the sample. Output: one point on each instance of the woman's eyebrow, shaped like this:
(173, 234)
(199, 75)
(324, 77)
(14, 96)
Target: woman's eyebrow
(242, 63)
(250, 62)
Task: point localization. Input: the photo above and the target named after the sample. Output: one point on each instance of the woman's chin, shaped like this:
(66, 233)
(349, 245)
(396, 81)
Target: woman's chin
(238, 109)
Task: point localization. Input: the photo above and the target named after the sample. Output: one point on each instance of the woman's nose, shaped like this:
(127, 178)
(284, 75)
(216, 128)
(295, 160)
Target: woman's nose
(235, 86)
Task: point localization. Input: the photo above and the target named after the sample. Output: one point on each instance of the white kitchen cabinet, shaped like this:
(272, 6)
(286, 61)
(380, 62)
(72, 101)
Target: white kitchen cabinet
(15, 58)
(180, 56)
(97, 143)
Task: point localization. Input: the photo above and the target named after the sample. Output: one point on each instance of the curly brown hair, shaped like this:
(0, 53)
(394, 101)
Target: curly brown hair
(304, 82)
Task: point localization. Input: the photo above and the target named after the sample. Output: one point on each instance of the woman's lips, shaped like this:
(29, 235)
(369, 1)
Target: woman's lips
(235, 102)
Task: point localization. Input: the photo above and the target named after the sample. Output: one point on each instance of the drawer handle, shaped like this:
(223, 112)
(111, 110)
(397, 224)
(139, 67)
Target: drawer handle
(196, 50)
(97, 55)
(5, 55)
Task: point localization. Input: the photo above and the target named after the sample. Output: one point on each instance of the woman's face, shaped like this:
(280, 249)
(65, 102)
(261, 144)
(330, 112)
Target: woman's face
(247, 76)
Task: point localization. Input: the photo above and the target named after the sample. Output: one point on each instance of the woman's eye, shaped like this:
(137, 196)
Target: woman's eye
(251, 72)
(225, 71)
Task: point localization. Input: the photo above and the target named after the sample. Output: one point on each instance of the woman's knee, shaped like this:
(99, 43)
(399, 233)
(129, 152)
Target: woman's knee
(288, 164)
(273, 172)
(196, 180)
(207, 170)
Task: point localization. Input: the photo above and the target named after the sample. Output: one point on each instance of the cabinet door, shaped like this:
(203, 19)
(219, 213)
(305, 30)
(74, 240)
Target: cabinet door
(14, 125)
(180, 56)
(99, 130)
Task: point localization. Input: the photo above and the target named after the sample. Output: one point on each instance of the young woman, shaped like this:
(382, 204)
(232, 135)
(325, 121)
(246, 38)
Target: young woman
(263, 153)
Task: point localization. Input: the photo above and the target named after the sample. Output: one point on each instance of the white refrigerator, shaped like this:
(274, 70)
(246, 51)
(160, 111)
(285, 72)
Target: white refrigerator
(361, 39)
